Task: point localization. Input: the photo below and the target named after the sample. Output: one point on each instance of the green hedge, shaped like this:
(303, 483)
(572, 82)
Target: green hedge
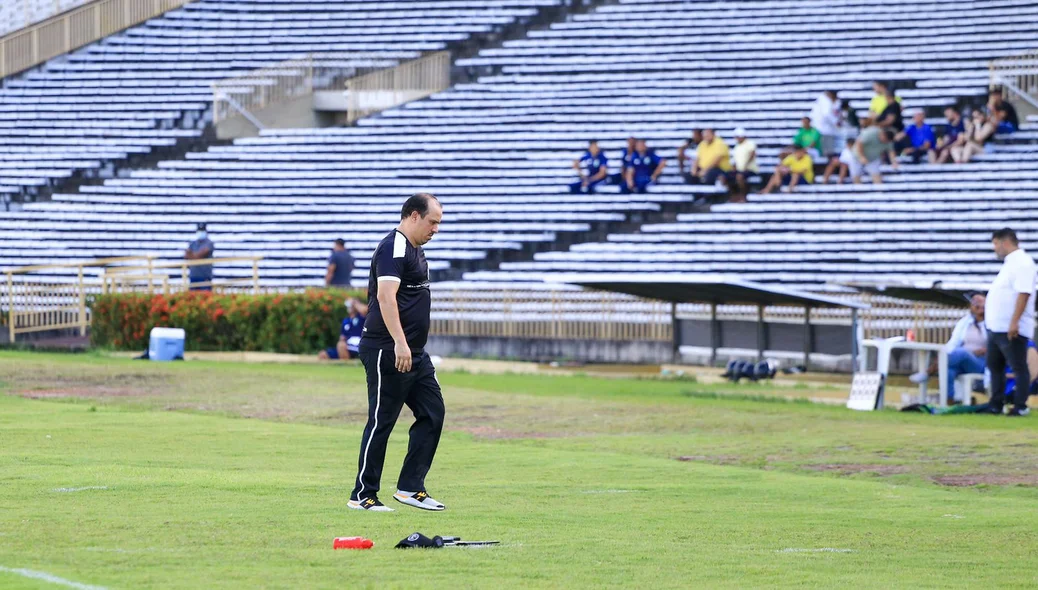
(296, 323)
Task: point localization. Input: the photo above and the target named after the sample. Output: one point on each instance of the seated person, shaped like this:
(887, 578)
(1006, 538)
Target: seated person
(644, 170)
(978, 131)
(843, 163)
(745, 156)
(592, 166)
(796, 168)
(953, 130)
(921, 139)
(348, 346)
(1002, 113)
(879, 99)
(625, 162)
(967, 349)
(808, 138)
(713, 161)
(690, 144)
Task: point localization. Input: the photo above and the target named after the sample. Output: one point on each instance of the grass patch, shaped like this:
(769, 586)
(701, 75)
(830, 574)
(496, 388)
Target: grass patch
(588, 482)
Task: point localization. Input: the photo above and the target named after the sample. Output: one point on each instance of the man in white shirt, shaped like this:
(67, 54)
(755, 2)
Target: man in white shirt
(966, 349)
(1009, 313)
(745, 156)
(825, 117)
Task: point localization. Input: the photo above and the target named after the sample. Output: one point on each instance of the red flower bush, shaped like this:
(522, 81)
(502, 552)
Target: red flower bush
(296, 323)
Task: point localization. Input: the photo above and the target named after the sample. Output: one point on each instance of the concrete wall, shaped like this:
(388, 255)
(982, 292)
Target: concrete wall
(297, 113)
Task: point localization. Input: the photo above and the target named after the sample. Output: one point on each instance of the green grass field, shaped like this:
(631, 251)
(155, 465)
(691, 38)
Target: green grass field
(125, 474)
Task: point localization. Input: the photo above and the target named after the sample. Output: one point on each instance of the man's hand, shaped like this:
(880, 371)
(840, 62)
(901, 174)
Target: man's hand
(403, 357)
(981, 352)
(1014, 329)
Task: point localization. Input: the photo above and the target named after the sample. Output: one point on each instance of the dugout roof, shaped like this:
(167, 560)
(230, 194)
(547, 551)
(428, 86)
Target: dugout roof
(951, 294)
(719, 289)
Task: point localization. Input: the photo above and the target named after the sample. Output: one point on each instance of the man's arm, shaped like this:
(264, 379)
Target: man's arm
(602, 172)
(893, 158)
(659, 169)
(579, 168)
(958, 335)
(629, 176)
(387, 291)
(859, 150)
(328, 275)
(1018, 311)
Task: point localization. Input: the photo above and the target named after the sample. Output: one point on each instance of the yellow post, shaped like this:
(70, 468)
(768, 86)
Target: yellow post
(82, 303)
(151, 272)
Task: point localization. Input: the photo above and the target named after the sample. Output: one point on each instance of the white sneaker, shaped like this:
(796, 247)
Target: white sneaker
(369, 504)
(418, 500)
(919, 377)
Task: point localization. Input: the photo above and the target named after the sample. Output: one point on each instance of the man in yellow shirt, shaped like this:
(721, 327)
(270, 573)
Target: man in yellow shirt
(879, 101)
(712, 159)
(796, 168)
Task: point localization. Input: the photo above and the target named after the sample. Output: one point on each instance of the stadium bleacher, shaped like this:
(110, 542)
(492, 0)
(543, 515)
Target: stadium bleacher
(149, 86)
(498, 150)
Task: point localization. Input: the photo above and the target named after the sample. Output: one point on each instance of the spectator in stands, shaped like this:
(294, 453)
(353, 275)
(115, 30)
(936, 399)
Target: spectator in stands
(848, 118)
(880, 99)
(953, 130)
(745, 156)
(352, 328)
(626, 154)
(808, 138)
(202, 247)
(340, 266)
(966, 349)
(690, 144)
(796, 168)
(713, 162)
(868, 153)
(842, 163)
(645, 169)
(978, 131)
(890, 117)
(825, 117)
(922, 139)
(1002, 113)
(592, 166)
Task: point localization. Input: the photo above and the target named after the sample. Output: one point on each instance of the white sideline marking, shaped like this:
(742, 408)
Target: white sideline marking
(607, 492)
(80, 489)
(50, 578)
(953, 516)
(821, 550)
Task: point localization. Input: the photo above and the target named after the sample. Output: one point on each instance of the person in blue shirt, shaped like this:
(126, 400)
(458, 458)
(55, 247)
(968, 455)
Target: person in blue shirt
(202, 247)
(348, 346)
(952, 131)
(625, 161)
(644, 170)
(1032, 361)
(922, 139)
(593, 168)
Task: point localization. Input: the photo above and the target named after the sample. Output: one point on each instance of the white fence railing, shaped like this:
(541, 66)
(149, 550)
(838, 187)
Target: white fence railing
(31, 46)
(1017, 74)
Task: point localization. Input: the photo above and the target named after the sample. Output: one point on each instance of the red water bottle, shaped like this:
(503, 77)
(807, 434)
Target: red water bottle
(352, 543)
(910, 336)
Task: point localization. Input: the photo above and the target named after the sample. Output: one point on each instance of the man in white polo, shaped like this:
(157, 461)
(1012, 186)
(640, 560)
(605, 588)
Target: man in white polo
(1009, 315)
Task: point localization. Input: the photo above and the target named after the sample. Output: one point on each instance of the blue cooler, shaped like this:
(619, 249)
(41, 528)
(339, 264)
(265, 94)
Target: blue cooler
(166, 344)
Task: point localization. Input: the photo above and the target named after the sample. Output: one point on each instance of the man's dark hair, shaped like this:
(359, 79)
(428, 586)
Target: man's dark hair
(881, 83)
(340, 242)
(417, 202)
(592, 141)
(1005, 234)
(993, 91)
(952, 108)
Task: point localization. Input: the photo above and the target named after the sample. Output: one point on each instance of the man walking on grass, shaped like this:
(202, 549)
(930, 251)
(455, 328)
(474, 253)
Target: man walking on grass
(398, 369)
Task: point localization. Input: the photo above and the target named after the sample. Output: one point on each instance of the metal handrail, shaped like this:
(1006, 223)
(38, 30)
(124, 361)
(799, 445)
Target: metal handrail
(1017, 74)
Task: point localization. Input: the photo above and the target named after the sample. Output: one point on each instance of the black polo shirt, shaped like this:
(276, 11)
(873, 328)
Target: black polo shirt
(396, 260)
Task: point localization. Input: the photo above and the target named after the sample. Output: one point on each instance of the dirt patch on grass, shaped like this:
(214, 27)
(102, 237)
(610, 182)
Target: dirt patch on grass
(83, 393)
(713, 459)
(489, 432)
(852, 468)
(965, 481)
